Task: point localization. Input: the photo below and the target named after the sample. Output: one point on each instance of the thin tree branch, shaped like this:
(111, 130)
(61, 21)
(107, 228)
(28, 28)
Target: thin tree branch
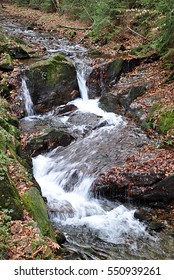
(75, 27)
(133, 31)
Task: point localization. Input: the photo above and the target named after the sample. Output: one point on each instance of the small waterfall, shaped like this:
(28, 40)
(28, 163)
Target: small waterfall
(66, 178)
(82, 86)
(66, 188)
(28, 102)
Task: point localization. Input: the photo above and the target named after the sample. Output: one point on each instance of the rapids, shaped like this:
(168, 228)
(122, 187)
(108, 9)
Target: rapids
(94, 228)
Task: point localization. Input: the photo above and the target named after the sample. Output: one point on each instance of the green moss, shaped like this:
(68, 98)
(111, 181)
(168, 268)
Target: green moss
(170, 78)
(166, 121)
(169, 58)
(34, 203)
(52, 70)
(9, 196)
(143, 50)
(117, 66)
(154, 109)
(6, 63)
(14, 47)
(4, 233)
(8, 121)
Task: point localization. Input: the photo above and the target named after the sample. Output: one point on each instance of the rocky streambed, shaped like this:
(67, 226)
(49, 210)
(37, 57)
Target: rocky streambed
(94, 166)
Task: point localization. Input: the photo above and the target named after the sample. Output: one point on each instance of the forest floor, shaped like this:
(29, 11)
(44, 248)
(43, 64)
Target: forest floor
(163, 157)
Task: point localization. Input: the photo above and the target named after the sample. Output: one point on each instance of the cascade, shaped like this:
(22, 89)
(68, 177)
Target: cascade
(94, 228)
(28, 102)
(66, 177)
(82, 86)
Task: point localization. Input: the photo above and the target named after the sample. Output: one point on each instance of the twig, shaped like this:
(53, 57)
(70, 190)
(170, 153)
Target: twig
(86, 33)
(133, 31)
(75, 27)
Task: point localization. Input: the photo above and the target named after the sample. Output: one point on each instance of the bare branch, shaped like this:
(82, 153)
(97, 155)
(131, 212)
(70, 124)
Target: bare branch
(75, 27)
(133, 31)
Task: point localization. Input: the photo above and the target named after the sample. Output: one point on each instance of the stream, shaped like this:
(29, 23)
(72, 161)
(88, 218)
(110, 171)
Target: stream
(95, 228)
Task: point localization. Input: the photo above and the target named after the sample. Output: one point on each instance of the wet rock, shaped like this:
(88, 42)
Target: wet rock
(79, 119)
(119, 103)
(49, 140)
(60, 237)
(103, 77)
(161, 192)
(18, 52)
(61, 209)
(65, 110)
(146, 188)
(146, 216)
(110, 103)
(127, 186)
(156, 226)
(52, 82)
(39, 125)
(142, 215)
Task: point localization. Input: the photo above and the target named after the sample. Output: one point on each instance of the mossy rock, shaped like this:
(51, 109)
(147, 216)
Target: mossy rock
(6, 63)
(8, 141)
(14, 47)
(7, 120)
(18, 52)
(9, 197)
(35, 204)
(49, 140)
(169, 57)
(52, 82)
(104, 76)
(5, 112)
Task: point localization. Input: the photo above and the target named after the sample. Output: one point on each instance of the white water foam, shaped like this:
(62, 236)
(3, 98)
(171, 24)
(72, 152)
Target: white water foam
(28, 102)
(86, 105)
(74, 206)
(65, 183)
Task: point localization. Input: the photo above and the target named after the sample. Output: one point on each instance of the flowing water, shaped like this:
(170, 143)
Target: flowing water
(94, 228)
(28, 102)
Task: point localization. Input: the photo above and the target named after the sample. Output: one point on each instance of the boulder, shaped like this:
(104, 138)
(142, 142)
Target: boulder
(65, 110)
(119, 103)
(9, 196)
(160, 193)
(35, 204)
(52, 82)
(104, 76)
(148, 188)
(6, 63)
(18, 52)
(48, 140)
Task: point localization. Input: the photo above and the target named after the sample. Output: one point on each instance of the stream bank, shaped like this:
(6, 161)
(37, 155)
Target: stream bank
(123, 153)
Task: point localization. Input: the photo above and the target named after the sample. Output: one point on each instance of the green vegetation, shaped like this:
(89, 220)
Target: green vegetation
(161, 118)
(152, 19)
(34, 203)
(5, 219)
(166, 121)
